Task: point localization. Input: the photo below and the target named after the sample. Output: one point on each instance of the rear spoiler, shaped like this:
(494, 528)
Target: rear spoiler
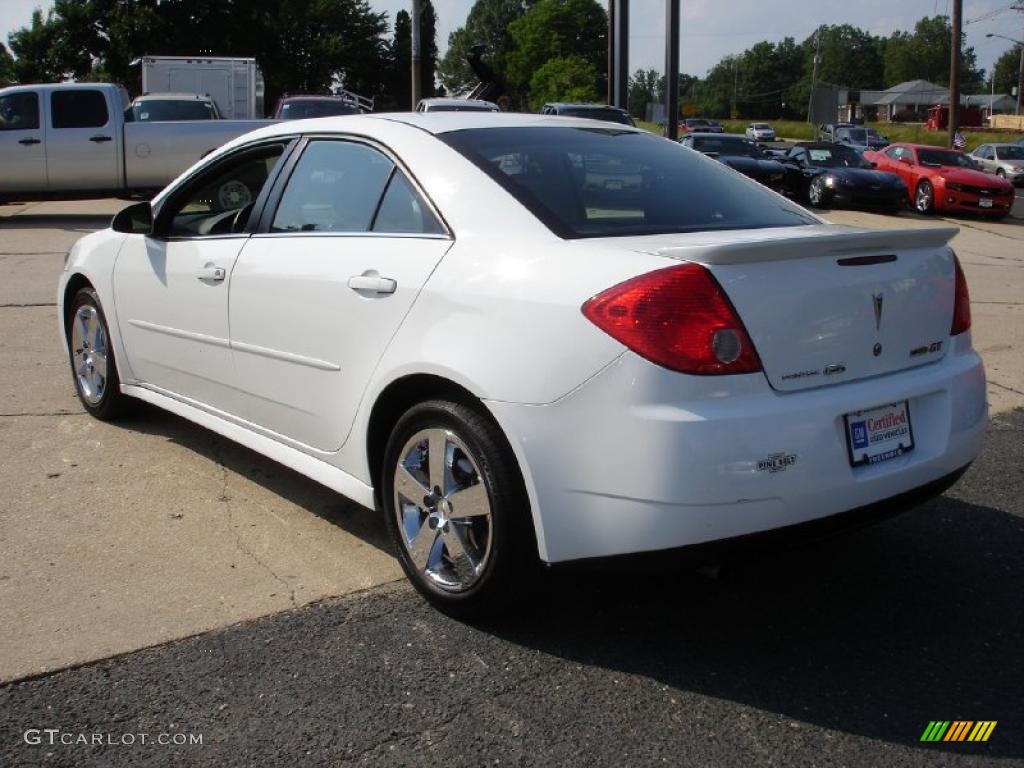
(804, 242)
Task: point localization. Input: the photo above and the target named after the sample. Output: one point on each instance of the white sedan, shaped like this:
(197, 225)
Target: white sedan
(760, 132)
(513, 336)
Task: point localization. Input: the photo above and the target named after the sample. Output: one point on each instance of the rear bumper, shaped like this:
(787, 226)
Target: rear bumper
(659, 460)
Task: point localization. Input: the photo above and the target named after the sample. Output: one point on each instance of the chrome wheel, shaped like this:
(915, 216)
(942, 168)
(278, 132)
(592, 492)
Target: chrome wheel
(923, 198)
(816, 193)
(89, 353)
(443, 509)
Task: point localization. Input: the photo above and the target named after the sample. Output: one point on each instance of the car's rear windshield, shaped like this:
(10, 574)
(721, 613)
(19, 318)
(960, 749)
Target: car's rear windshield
(297, 110)
(596, 113)
(601, 182)
(729, 146)
(172, 110)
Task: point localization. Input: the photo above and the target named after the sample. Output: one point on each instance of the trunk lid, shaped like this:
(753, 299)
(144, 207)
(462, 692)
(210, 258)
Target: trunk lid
(826, 304)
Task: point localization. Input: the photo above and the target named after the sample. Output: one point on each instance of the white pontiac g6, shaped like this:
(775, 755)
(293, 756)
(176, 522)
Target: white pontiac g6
(520, 339)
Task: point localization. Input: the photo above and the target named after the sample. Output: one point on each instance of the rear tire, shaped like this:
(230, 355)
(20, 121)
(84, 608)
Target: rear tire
(462, 529)
(91, 355)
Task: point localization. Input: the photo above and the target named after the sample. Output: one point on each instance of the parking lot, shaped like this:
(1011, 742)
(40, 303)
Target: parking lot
(278, 626)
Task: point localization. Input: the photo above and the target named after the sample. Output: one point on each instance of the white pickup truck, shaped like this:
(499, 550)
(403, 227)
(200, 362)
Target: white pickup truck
(71, 140)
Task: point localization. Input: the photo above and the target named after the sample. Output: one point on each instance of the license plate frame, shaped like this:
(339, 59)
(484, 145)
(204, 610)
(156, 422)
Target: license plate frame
(879, 434)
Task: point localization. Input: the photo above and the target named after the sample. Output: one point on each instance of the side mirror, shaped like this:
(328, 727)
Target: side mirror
(872, 163)
(906, 160)
(134, 220)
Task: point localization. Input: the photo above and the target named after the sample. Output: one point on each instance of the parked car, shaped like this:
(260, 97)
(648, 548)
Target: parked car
(590, 111)
(940, 179)
(740, 153)
(172, 107)
(717, 363)
(456, 105)
(760, 132)
(71, 140)
(700, 125)
(1004, 160)
(860, 138)
(828, 175)
(827, 131)
(298, 107)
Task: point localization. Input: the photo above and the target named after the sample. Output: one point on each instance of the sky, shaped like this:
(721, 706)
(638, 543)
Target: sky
(712, 29)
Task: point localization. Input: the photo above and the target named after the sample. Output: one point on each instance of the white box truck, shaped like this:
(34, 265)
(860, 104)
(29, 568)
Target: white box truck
(236, 84)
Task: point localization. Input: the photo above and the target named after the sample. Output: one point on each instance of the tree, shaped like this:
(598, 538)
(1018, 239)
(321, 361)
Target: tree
(557, 29)
(645, 86)
(487, 25)
(428, 48)
(925, 53)
(568, 78)
(33, 48)
(399, 92)
(6, 66)
(1007, 71)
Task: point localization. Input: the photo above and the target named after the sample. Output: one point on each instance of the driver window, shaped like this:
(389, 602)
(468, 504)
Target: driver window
(220, 201)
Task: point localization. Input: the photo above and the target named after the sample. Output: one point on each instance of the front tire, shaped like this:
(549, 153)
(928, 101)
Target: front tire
(93, 367)
(816, 193)
(924, 198)
(457, 509)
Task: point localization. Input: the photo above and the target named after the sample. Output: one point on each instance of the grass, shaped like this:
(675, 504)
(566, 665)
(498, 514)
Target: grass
(896, 132)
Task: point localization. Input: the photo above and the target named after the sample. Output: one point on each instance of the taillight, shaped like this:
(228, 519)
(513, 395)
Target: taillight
(679, 318)
(961, 302)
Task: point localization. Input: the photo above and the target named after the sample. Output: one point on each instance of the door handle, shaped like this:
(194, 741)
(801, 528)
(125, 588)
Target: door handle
(211, 273)
(101, 139)
(372, 283)
(29, 142)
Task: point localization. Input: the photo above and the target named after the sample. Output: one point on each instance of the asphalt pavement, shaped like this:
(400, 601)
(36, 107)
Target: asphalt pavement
(838, 654)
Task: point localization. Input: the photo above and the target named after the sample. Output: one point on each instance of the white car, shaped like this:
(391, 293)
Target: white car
(513, 336)
(760, 132)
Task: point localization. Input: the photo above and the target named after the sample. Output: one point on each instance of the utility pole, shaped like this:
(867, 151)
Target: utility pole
(618, 45)
(734, 112)
(416, 49)
(672, 69)
(954, 69)
(814, 74)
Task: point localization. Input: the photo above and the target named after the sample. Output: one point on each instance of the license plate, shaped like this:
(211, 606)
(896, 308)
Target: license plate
(878, 434)
(984, 203)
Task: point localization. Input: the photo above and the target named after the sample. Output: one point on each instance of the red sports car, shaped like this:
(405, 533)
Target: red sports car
(944, 180)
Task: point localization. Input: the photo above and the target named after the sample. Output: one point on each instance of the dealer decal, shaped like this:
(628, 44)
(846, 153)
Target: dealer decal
(777, 462)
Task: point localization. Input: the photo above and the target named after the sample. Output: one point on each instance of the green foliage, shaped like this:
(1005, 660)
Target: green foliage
(1007, 70)
(488, 25)
(557, 29)
(569, 78)
(301, 45)
(924, 54)
(6, 66)
(645, 86)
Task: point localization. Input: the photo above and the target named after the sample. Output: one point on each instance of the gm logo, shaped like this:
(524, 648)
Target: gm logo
(859, 432)
(958, 730)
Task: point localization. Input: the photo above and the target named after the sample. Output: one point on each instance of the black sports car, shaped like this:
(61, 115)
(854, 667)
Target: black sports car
(740, 153)
(827, 175)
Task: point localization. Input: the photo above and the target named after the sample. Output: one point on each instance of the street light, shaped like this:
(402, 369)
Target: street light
(1020, 75)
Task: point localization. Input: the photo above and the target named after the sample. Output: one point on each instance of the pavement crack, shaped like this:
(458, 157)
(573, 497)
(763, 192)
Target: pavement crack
(51, 413)
(225, 499)
(1003, 386)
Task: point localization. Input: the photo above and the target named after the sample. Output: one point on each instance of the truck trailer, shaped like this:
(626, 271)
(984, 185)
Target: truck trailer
(236, 84)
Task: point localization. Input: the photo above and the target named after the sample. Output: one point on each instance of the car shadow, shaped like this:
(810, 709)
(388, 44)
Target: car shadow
(364, 524)
(874, 633)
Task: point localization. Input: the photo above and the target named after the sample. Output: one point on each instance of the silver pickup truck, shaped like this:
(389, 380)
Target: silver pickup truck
(71, 140)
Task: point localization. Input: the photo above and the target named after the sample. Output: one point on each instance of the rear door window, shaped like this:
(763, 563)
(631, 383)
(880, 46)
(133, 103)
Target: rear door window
(19, 112)
(78, 108)
(335, 187)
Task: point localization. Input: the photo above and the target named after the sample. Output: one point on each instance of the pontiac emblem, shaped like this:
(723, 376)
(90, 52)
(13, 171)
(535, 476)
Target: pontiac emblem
(876, 299)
